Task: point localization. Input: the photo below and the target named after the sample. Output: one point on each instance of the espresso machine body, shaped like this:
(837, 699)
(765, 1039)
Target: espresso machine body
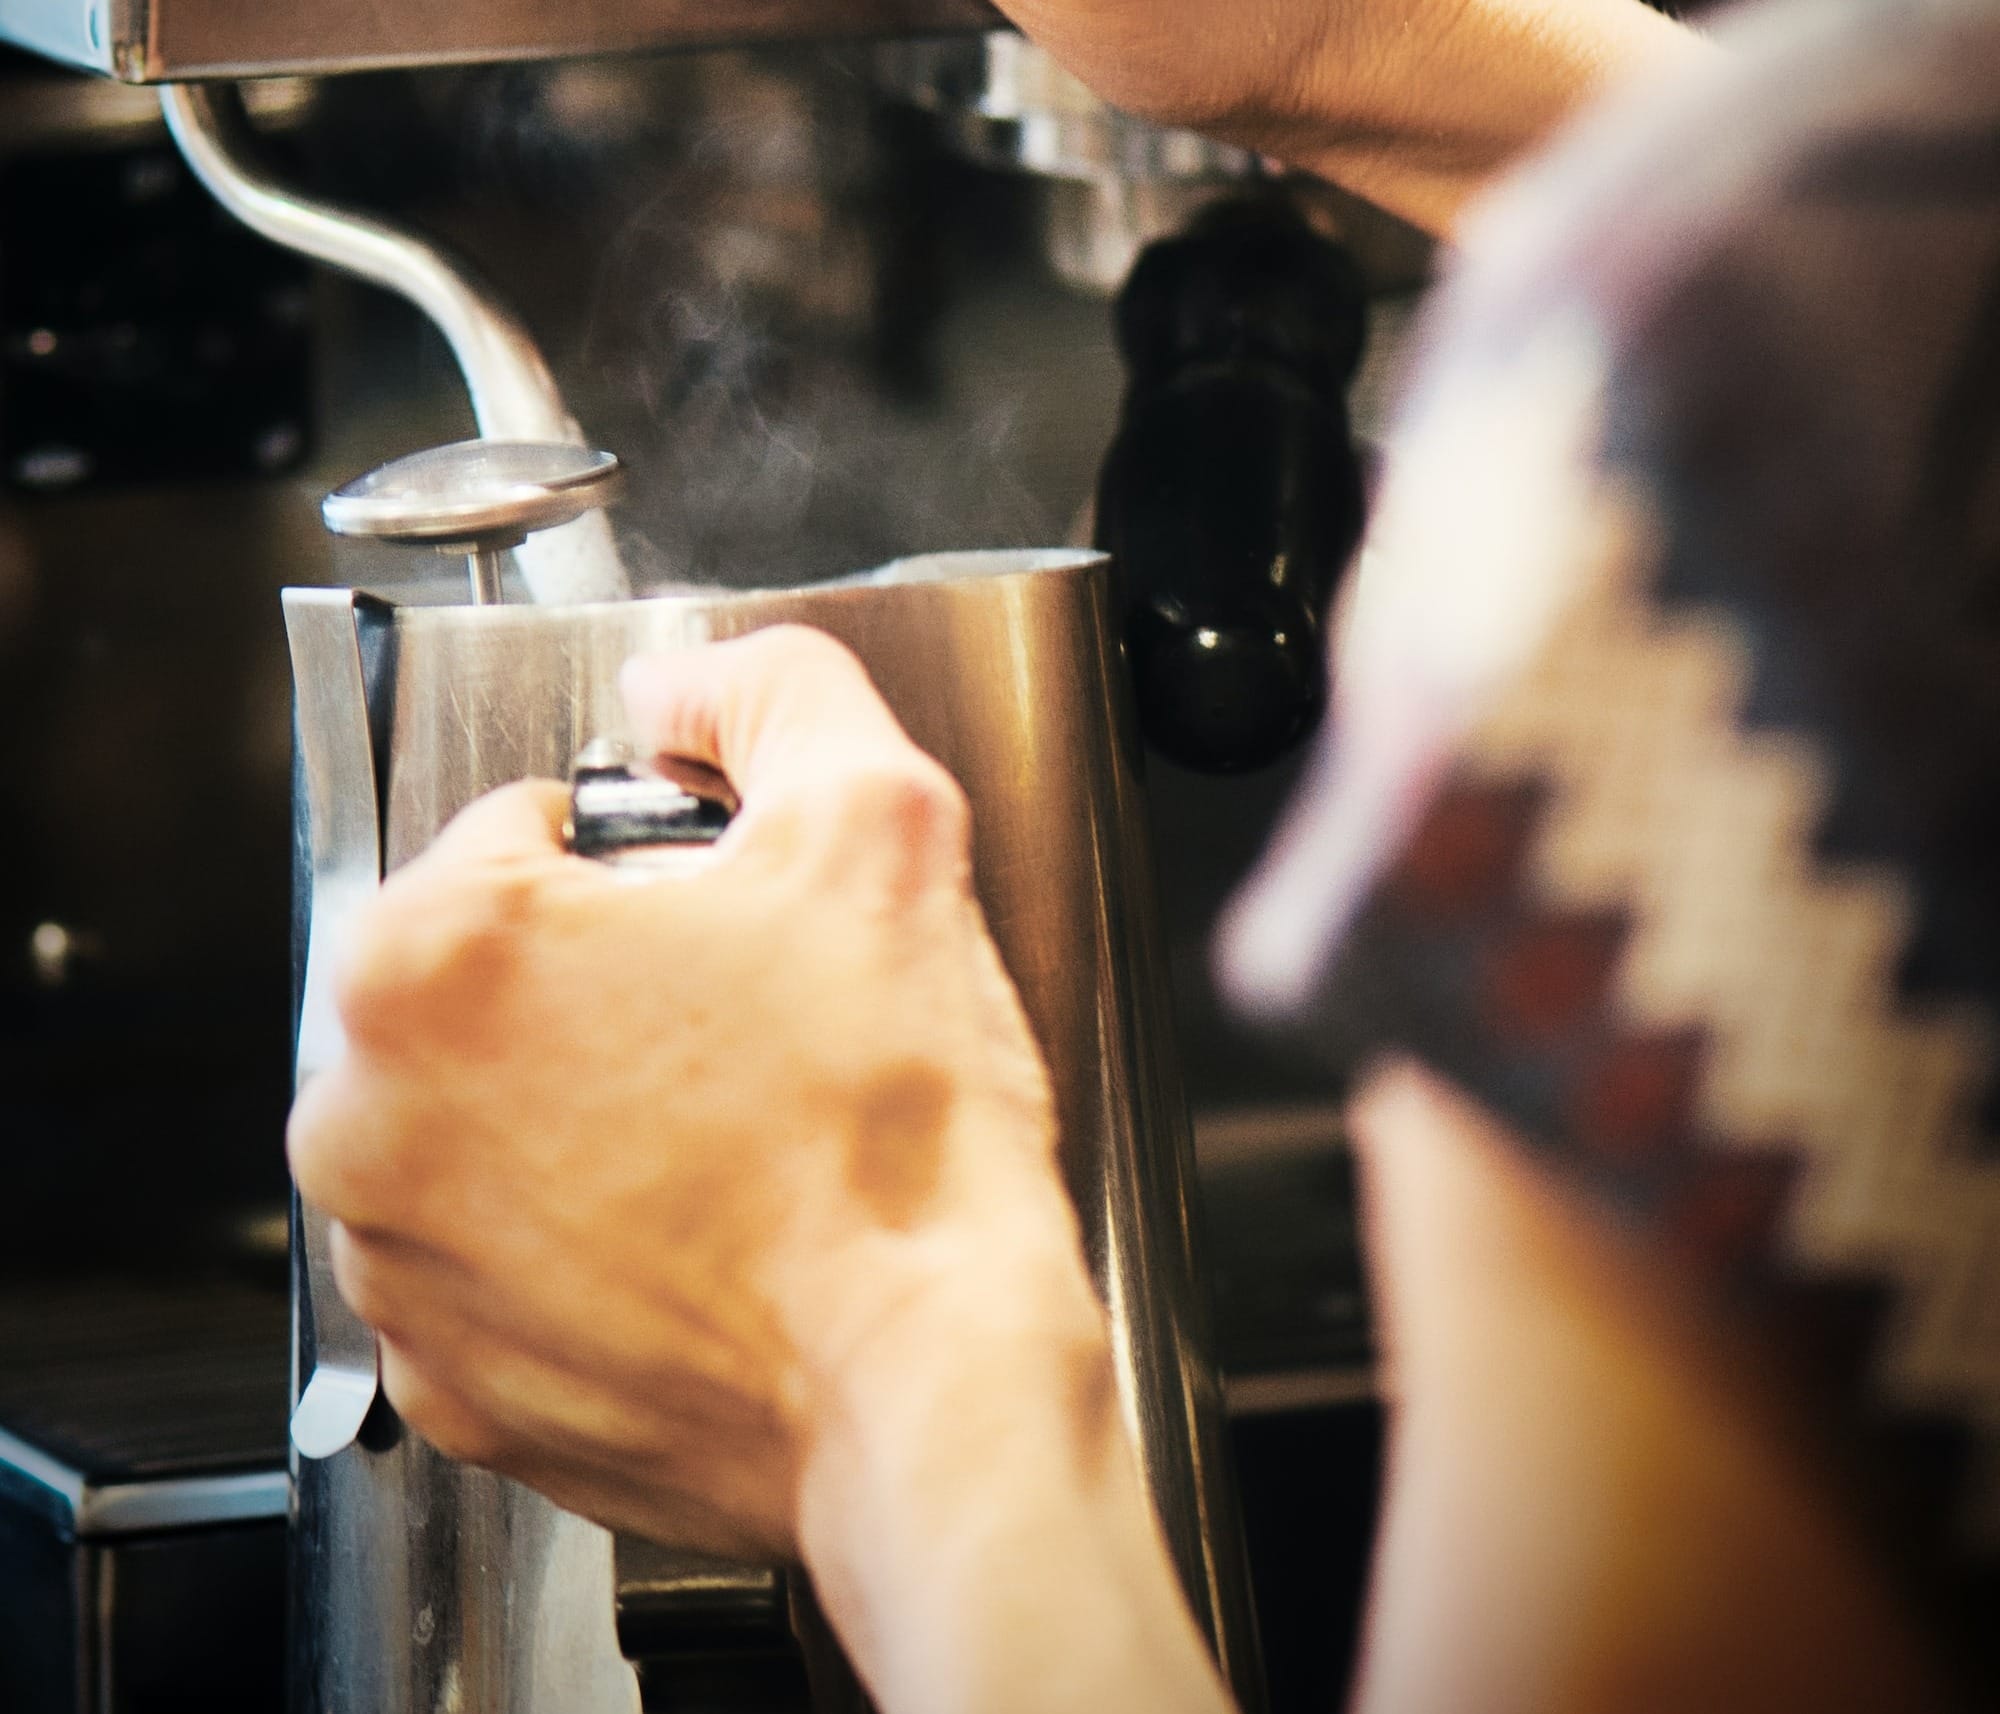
(164, 41)
(420, 1583)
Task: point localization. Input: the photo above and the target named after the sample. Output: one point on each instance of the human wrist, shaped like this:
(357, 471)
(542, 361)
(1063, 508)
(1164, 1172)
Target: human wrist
(1002, 1300)
(970, 1483)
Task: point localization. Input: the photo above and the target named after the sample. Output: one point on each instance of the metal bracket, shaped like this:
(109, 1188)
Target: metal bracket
(336, 750)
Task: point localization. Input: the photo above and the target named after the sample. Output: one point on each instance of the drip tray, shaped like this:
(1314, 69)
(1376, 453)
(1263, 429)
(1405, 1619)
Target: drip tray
(143, 1404)
(142, 1497)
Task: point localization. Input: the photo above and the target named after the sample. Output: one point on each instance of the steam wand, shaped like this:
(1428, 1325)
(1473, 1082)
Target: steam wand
(475, 497)
(514, 397)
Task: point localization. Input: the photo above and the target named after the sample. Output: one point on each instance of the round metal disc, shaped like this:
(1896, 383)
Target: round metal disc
(475, 492)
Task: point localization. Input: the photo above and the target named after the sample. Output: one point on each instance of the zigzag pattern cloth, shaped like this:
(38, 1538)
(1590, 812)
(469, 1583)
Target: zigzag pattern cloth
(1661, 807)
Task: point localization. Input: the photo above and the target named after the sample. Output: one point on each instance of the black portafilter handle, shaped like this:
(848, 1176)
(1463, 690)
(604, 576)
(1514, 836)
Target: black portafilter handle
(1232, 497)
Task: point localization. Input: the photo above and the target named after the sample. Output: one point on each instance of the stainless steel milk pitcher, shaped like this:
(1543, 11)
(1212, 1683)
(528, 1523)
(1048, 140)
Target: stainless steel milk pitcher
(421, 1585)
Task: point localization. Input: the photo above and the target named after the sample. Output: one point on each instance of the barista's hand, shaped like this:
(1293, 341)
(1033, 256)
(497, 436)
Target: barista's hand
(627, 1169)
(721, 1206)
(1413, 104)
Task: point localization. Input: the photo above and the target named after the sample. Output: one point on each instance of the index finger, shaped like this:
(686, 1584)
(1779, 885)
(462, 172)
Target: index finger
(522, 821)
(764, 709)
(817, 759)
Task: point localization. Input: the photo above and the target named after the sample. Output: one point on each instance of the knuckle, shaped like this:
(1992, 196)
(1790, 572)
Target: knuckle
(362, 1280)
(801, 648)
(491, 906)
(363, 1149)
(952, 814)
(798, 668)
(310, 1137)
(369, 969)
(456, 1431)
(896, 825)
(896, 819)
(473, 909)
(429, 944)
(376, 971)
(448, 1422)
(915, 803)
(333, 1171)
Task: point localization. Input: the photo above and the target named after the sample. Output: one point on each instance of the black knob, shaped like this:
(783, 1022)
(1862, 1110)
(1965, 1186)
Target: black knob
(1232, 497)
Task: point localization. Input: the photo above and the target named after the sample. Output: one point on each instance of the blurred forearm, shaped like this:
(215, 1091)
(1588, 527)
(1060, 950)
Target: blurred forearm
(1461, 92)
(1589, 1511)
(973, 1514)
(1413, 104)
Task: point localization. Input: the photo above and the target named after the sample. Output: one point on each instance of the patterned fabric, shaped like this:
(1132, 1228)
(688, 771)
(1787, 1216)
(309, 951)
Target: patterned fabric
(1661, 806)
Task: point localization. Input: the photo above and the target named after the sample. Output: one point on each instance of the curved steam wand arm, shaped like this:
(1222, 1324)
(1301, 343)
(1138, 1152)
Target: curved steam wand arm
(514, 396)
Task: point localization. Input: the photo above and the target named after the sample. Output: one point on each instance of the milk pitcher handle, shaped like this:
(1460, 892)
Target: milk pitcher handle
(634, 819)
(344, 841)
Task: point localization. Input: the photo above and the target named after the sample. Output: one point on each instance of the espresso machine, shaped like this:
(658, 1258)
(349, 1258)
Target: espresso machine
(414, 1583)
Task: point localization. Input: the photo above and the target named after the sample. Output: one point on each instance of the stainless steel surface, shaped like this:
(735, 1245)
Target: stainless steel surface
(122, 1508)
(343, 839)
(487, 567)
(514, 397)
(1013, 106)
(1092, 230)
(473, 490)
(1119, 181)
(1303, 1389)
(160, 41)
(1005, 667)
(476, 497)
(71, 30)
